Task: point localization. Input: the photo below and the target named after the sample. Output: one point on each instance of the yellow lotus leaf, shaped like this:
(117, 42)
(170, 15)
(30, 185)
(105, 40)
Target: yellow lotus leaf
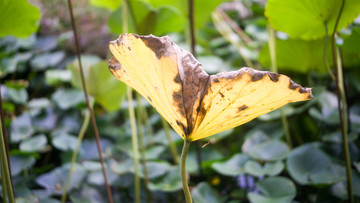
(195, 104)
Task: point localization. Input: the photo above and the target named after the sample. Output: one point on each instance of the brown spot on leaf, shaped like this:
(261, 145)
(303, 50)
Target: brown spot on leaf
(302, 90)
(183, 127)
(118, 41)
(293, 85)
(114, 64)
(242, 108)
(257, 75)
(221, 94)
(273, 76)
(310, 95)
(177, 79)
(129, 48)
(159, 45)
(177, 97)
(149, 99)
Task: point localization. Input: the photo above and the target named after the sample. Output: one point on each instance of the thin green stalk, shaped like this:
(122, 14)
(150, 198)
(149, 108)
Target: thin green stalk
(146, 122)
(273, 68)
(75, 153)
(345, 125)
(6, 139)
(134, 144)
(324, 53)
(4, 168)
(134, 138)
(173, 149)
(184, 181)
(93, 121)
(142, 147)
(3, 184)
(192, 30)
(342, 106)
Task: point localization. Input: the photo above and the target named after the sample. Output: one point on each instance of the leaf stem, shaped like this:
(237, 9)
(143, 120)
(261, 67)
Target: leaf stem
(184, 181)
(75, 153)
(324, 53)
(6, 138)
(134, 138)
(3, 183)
(342, 105)
(140, 110)
(5, 168)
(192, 28)
(273, 68)
(173, 149)
(145, 117)
(135, 145)
(97, 137)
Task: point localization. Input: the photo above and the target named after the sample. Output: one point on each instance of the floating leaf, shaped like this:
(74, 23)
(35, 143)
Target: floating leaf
(15, 13)
(307, 164)
(99, 82)
(336, 137)
(204, 193)
(46, 60)
(17, 96)
(67, 98)
(155, 169)
(86, 195)
(351, 43)
(33, 144)
(272, 150)
(89, 148)
(350, 49)
(297, 55)
(170, 182)
(122, 167)
(20, 163)
(305, 19)
(151, 153)
(340, 189)
(8, 65)
(55, 77)
(45, 44)
(160, 137)
(21, 128)
(109, 4)
(30, 198)
(357, 166)
(232, 167)
(202, 9)
(64, 141)
(328, 112)
(253, 138)
(256, 169)
(148, 20)
(38, 104)
(97, 177)
(274, 190)
(54, 180)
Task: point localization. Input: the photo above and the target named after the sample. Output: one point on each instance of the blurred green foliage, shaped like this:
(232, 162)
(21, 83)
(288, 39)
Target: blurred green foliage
(18, 18)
